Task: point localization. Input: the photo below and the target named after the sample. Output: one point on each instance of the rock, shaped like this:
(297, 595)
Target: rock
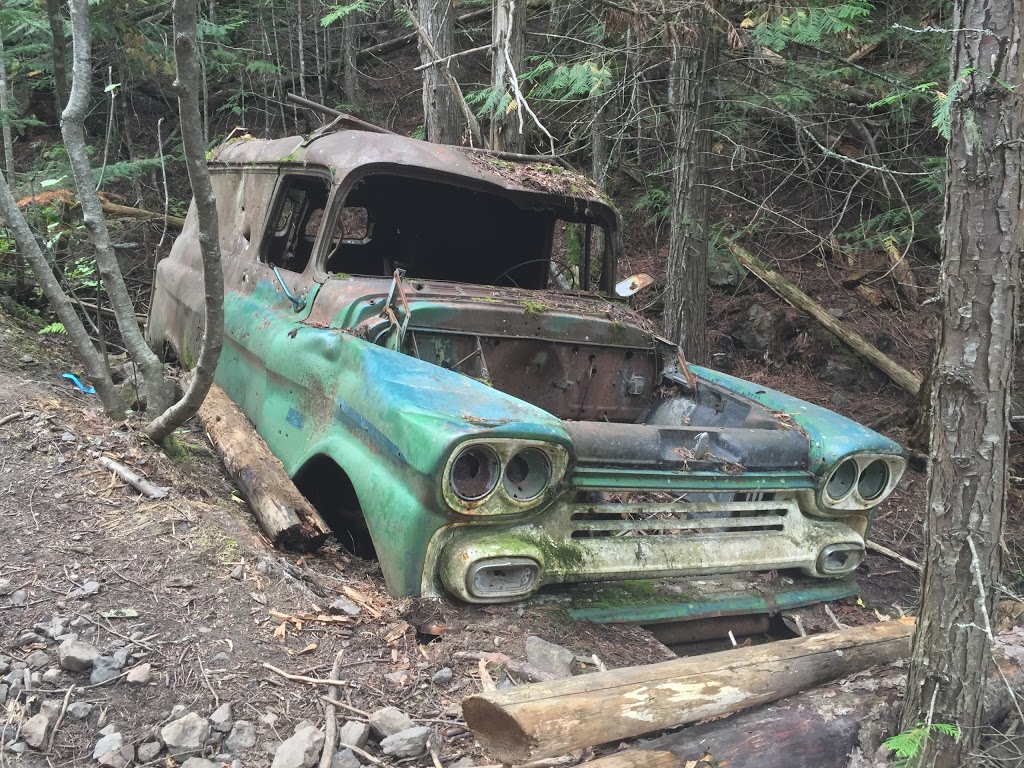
(50, 709)
(141, 674)
(399, 678)
(238, 572)
(345, 759)
(38, 660)
(411, 742)
(18, 748)
(242, 736)
(354, 733)
(149, 751)
(104, 668)
(178, 710)
(90, 587)
(345, 607)
(443, 676)
(198, 762)
(463, 762)
(80, 710)
(19, 597)
(220, 658)
(300, 751)
(303, 725)
(112, 751)
(389, 721)
(758, 332)
(221, 718)
(549, 657)
(6, 587)
(34, 731)
(109, 729)
(51, 676)
(3, 694)
(186, 736)
(77, 656)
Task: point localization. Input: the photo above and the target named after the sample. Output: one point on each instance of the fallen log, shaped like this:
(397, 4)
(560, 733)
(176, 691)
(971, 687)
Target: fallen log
(551, 718)
(283, 513)
(637, 758)
(113, 209)
(800, 300)
(821, 727)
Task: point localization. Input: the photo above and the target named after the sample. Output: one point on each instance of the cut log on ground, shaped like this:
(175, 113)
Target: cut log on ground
(800, 300)
(551, 718)
(821, 727)
(283, 513)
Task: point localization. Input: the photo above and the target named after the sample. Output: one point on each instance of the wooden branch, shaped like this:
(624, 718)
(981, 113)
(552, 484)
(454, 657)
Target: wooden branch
(543, 719)
(285, 515)
(330, 714)
(113, 209)
(894, 555)
(637, 758)
(800, 300)
(134, 479)
(821, 727)
(447, 59)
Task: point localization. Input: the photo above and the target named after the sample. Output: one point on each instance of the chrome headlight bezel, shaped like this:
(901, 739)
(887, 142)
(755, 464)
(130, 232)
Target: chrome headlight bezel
(502, 499)
(877, 476)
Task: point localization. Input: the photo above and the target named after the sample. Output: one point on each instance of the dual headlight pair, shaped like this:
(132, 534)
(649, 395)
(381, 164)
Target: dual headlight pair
(502, 476)
(862, 482)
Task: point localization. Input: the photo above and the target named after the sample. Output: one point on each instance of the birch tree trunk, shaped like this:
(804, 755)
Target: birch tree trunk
(692, 54)
(982, 248)
(187, 85)
(508, 37)
(28, 248)
(157, 389)
(441, 111)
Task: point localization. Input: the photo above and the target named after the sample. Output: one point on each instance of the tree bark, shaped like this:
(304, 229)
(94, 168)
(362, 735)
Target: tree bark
(158, 391)
(982, 248)
(284, 514)
(508, 38)
(60, 47)
(440, 106)
(187, 84)
(546, 719)
(692, 55)
(350, 26)
(92, 360)
(5, 124)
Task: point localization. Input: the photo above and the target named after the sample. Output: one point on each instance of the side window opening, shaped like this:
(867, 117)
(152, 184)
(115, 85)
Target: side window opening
(353, 250)
(577, 253)
(294, 227)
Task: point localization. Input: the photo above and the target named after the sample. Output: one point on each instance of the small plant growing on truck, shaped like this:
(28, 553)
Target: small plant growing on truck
(392, 332)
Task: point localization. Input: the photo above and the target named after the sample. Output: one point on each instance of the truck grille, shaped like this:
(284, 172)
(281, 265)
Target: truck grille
(668, 514)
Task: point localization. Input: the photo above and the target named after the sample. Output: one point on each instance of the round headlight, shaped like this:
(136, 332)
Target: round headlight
(873, 480)
(844, 477)
(527, 474)
(474, 473)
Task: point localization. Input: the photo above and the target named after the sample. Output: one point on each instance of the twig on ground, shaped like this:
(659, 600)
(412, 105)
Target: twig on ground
(331, 715)
(60, 719)
(134, 479)
(206, 679)
(361, 752)
(892, 554)
(11, 417)
(347, 707)
(303, 678)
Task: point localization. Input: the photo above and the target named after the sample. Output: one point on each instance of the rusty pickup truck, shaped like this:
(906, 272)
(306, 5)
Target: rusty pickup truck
(428, 338)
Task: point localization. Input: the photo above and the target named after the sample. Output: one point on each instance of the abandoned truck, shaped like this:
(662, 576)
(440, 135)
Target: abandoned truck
(396, 333)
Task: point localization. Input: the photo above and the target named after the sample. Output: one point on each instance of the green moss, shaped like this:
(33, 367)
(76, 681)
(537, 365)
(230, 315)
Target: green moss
(485, 299)
(628, 593)
(534, 307)
(563, 556)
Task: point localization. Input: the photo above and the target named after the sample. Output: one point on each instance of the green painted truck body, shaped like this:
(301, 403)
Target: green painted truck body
(391, 333)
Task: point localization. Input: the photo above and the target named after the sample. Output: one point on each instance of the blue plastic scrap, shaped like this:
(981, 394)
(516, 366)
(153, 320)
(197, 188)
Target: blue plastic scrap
(81, 387)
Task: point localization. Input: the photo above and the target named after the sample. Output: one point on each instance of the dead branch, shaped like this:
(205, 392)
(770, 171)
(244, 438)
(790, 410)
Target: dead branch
(303, 678)
(800, 300)
(113, 209)
(330, 714)
(134, 479)
(894, 555)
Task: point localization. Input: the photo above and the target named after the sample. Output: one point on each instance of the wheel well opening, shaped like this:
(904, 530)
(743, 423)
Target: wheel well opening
(330, 491)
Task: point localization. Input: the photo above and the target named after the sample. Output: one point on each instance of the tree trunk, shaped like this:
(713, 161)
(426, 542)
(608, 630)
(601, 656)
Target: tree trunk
(60, 48)
(508, 38)
(692, 54)
(350, 26)
(440, 106)
(28, 247)
(546, 719)
(8, 141)
(186, 60)
(982, 248)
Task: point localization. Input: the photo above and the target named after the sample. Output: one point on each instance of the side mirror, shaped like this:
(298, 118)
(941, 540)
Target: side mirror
(632, 284)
